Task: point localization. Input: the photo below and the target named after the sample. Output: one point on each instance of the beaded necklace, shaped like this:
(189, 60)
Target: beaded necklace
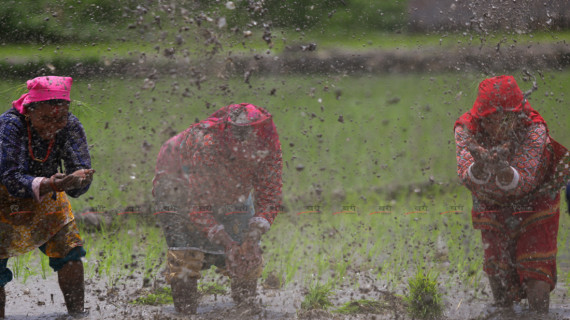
(31, 151)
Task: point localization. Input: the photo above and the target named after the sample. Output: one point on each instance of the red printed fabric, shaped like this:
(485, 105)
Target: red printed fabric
(519, 223)
(533, 161)
(522, 252)
(219, 169)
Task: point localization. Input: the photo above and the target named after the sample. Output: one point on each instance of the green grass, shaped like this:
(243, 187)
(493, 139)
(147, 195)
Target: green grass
(362, 40)
(330, 39)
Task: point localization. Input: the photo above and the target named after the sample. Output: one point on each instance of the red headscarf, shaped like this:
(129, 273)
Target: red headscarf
(259, 119)
(498, 94)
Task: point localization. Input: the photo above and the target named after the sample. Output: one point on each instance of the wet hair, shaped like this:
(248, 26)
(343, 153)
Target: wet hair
(53, 102)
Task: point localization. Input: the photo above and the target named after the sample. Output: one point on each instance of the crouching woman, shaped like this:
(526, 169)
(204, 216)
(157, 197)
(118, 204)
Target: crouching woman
(514, 170)
(38, 138)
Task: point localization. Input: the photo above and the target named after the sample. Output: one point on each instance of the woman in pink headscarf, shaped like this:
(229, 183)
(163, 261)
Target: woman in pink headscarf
(218, 184)
(514, 170)
(38, 137)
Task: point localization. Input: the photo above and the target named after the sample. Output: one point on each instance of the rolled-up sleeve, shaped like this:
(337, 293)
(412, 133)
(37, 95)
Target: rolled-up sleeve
(14, 160)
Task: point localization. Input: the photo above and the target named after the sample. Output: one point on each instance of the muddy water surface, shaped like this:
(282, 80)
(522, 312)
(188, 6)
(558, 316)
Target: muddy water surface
(42, 299)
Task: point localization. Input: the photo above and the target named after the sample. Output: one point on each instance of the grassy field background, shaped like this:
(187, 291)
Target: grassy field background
(338, 133)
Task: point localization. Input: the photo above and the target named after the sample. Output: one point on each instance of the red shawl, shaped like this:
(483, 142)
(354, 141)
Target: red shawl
(498, 94)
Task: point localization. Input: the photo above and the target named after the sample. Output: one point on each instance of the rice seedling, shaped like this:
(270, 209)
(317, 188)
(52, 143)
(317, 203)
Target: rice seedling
(159, 296)
(424, 299)
(290, 264)
(44, 264)
(341, 268)
(212, 288)
(155, 252)
(22, 267)
(322, 262)
(317, 297)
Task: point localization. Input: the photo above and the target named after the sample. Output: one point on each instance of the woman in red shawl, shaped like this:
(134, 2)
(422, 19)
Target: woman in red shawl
(507, 159)
(218, 184)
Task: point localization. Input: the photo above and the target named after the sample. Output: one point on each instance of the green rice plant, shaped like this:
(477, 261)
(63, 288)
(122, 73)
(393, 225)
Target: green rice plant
(159, 296)
(363, 306)
(424, 299)
(317, 297)
(154, 253)
(28, 269)
(341, 267)
(212, 288)
(567, 278)
(476, 281)
(322, 263)
(91, 263)
(17, 266)
(44, 264)
(22, 266)
(290, 264)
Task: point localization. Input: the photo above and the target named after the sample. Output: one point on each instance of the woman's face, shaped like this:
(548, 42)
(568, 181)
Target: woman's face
(48, 119)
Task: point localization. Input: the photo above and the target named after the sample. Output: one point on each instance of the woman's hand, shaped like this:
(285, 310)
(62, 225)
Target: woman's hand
(77, 180)
(85, 177)
(491, 160)
(505, 176)
(479, 153)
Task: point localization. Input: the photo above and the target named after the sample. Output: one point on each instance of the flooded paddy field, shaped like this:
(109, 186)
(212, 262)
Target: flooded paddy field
(330, 252)
(370, 195)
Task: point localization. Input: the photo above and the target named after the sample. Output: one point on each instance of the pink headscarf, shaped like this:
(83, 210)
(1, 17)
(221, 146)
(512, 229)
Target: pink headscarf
(42, 89)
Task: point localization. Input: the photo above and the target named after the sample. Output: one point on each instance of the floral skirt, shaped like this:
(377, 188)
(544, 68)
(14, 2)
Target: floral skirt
(26, 225)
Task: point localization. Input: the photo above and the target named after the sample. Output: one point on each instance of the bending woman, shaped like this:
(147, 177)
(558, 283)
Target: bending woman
(219, 184)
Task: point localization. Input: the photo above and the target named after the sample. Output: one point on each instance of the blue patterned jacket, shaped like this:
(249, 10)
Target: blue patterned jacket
(18, 170)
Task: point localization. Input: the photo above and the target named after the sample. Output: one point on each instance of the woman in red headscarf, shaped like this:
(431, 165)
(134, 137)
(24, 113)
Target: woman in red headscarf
(507, 159)
(218, 185)
(38, 137)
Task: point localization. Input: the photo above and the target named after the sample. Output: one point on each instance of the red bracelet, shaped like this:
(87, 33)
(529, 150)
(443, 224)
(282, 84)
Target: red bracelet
(52, 184)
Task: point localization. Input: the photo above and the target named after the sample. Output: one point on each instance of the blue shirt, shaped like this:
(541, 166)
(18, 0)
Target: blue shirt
(18, 170)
